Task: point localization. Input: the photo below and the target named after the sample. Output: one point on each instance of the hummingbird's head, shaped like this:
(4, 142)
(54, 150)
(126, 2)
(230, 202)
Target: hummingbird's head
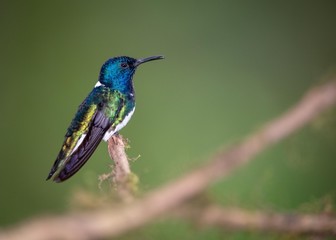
(117, 72)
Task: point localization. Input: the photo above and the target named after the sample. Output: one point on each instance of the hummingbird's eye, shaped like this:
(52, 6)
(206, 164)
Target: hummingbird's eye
(124, 65)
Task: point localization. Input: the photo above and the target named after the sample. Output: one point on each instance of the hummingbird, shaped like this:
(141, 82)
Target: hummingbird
(106, 110)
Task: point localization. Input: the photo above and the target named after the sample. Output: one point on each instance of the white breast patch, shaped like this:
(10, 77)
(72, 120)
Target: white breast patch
(110, 132)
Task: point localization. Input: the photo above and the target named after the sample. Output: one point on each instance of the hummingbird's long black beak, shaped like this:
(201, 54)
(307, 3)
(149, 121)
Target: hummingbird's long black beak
(143, 60)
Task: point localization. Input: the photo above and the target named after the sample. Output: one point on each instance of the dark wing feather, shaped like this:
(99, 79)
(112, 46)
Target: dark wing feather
(99, 125)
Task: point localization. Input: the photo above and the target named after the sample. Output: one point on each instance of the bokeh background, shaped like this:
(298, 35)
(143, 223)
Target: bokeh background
(230, 66)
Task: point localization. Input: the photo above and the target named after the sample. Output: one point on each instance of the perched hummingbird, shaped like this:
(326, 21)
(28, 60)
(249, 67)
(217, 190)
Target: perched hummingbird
(106, 110)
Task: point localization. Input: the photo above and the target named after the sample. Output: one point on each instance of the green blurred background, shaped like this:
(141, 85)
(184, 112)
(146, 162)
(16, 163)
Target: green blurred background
(230, 66)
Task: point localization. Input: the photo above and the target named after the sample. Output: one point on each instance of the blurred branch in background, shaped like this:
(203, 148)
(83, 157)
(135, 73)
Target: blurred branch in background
(235, 219)
(116, 221)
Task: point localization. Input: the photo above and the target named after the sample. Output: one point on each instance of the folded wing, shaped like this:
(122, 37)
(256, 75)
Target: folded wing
(99, 125)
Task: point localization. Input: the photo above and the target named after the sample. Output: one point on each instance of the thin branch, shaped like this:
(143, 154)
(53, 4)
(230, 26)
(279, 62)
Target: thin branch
(121, 176)
(235, 219)
(116, 221)
(116, 149)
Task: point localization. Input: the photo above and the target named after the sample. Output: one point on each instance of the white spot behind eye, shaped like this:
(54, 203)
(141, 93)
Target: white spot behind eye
(98, 84)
